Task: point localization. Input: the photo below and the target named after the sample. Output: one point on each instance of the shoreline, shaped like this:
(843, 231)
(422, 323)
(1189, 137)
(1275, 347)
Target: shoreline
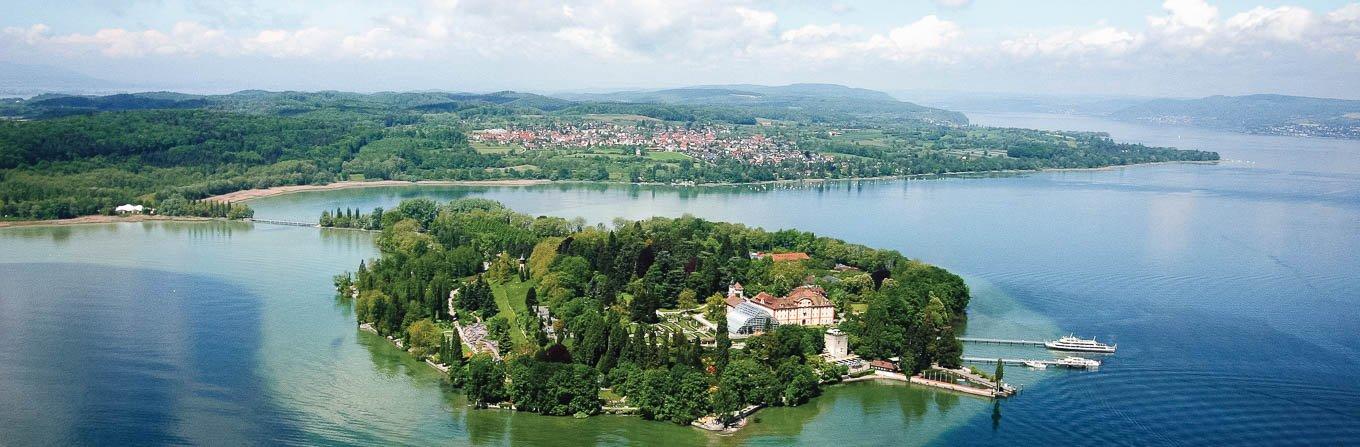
(251, 194)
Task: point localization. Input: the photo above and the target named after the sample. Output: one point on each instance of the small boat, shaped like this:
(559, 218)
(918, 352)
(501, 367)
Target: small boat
(1077, 362)
(1073, 343)
(1036, 364)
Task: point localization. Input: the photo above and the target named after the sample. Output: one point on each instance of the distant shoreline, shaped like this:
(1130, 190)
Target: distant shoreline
(102, 219)
(246, 195)
(251, 194)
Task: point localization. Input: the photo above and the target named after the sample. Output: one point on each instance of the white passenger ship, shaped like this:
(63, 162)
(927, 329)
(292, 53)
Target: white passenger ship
(1072, 343)
(1077, 362)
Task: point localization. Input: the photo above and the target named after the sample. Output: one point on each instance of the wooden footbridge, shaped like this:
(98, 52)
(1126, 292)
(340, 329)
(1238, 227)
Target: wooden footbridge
(285, 222)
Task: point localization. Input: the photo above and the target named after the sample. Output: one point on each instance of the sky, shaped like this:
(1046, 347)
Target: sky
(1178, 48)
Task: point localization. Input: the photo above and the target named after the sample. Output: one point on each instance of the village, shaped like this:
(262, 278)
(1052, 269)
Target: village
(708, 143)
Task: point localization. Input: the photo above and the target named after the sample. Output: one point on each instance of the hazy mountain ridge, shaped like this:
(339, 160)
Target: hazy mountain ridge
(738, 104)
(786, 99)
(25, 80)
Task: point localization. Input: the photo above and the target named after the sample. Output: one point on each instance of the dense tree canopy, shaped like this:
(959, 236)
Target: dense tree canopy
(602, 287)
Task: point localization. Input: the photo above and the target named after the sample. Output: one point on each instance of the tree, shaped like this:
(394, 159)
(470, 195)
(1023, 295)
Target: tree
(498, 329)
(423, 337)
(696, 355)
(686, 300)
(715, 308)
(451, 352)
(502, 269)
(688, 399)
(800, 383)
(722, 354)
(485, 383)
(726, 404)
(750, 382)
(531, 298)
(1000, 372)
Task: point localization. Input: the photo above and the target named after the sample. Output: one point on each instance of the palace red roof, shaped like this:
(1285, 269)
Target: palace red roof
(815, 296)
(782, 257)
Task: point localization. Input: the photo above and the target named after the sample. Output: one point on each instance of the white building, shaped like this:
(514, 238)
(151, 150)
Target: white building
(129, 209)
(837, 343)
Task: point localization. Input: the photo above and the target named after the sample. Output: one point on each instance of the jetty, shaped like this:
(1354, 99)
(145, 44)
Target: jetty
(1026, 362)
(284, 222)
(1002, 341)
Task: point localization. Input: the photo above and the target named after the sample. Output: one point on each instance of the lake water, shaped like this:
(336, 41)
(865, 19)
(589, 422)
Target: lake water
(1232, 289)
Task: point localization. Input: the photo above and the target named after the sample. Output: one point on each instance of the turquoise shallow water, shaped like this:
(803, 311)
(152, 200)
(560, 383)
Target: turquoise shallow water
(1230, 288)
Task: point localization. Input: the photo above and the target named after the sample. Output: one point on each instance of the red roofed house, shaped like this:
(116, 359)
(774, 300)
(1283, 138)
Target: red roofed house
(782, 257)
(884, 365)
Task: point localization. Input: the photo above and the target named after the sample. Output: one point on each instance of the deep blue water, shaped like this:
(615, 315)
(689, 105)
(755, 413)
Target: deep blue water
(1232, 289)
(107, 355)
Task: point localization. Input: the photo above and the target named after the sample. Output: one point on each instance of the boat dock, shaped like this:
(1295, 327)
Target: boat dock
(1026, 362)
(1006, 361)
(1000, 341)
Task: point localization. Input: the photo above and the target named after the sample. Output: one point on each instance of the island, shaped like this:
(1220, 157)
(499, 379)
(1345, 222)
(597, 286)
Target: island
(674, 319)
(65, 156)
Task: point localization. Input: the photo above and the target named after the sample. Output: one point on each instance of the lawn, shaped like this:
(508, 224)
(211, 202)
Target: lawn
(483, 147)
(510, 304)
(668, 156)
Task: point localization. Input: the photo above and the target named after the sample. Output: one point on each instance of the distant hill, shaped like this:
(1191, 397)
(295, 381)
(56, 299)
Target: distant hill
(738, 104)
(796, 101)
(994, 102)
(1259, 114)
(28, 80)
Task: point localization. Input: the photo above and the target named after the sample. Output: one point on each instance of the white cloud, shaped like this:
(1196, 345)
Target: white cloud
(1192, 29)
(915, 40)
(279, 43)
(1186, 15)
(32, 35)
(184, 38)
(1104, 41)
(734, 37)
(954, 3)
(1285, 23)
(592, 41)
(819, 33)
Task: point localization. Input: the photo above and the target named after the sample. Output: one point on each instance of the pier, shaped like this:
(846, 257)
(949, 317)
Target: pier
(1006, 361)
(285, 222)
(1000, 341)
(1023, 362)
